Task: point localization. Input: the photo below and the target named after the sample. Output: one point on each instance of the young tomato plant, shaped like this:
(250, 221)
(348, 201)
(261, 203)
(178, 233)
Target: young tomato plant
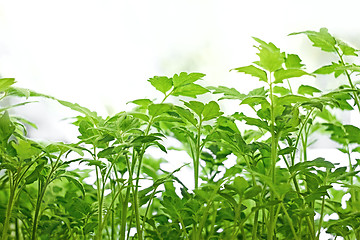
(255, 176)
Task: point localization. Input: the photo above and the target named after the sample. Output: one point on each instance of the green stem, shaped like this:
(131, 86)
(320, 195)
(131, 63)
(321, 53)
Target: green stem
(127, 196)
(290, 222)
(274, 142)
(197, 155)
(355, 95)
(99, 198)
(42, 189)
(9, 208)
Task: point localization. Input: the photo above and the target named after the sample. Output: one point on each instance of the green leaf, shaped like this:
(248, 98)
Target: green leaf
(80, 109)
(240, 185)
(229, 93)
(253, 71)
(62, 147)
(282, 74)
(91, 162)
(189, 90)
(346, 49)
(288, 99)
(13, 106)
(335, 68)
(158, 109)
(35, 174)
(321, 39)
(252, 192)
(185, 79)
(353, 133)
(75, 181)
(196, 106)
(211, 111)
(106, 152)
(25, 150)
(145, 139)
(186, 115)
(281, 90)
(271, 58)
(141, 116)
(286, 150)
(6, 127)
(142, 102)
(318, 162)
(293, 61)
(5, 83)
(162, 84)
(306, 89)
(253, 101)
(257, 122)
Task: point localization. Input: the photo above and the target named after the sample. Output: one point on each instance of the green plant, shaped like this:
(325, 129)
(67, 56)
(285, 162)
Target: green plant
(273, 190)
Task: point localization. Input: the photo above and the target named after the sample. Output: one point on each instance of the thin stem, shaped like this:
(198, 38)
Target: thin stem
(356, 98)
(197, 155)
(290, 221)
(8, 210)
(274, 139)
(127, 196)
(42, 189)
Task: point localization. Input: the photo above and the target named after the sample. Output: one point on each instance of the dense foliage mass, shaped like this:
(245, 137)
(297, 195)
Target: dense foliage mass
(272, 191)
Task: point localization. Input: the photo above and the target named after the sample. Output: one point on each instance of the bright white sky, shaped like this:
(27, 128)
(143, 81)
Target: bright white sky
(100, 53)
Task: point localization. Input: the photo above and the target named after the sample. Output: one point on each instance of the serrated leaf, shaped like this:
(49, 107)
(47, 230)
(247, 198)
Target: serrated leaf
(145, 139)
(25, 150)
(271, 58)
(318, 162)
(240, 185)
(142, 102)
(189, 90)
(158, 109)
(293, 61)
(286, 150)
(80, 109)
(256, 122)
(196, 106)
(335, 68)
(253, 101)
(162, 84)
(211, 111)
(321, 39)
(229, 93)
(325, 69)
(62, 147)
(184, 78)
(353, 133)
(186, 115)
(76, 182)
(106, 152)
(252, 192)
(91, 162)
(281, 90)
(6, 127)
(35, 174)
(346, 49)
(253, 71)
(306, 89)
(282, 74)
(5, 83)
(141, 116)
(289, 99)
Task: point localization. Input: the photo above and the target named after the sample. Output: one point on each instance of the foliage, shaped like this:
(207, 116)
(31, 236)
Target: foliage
(273, 189)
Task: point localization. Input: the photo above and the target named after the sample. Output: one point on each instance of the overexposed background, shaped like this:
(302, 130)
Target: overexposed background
(100, 53)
